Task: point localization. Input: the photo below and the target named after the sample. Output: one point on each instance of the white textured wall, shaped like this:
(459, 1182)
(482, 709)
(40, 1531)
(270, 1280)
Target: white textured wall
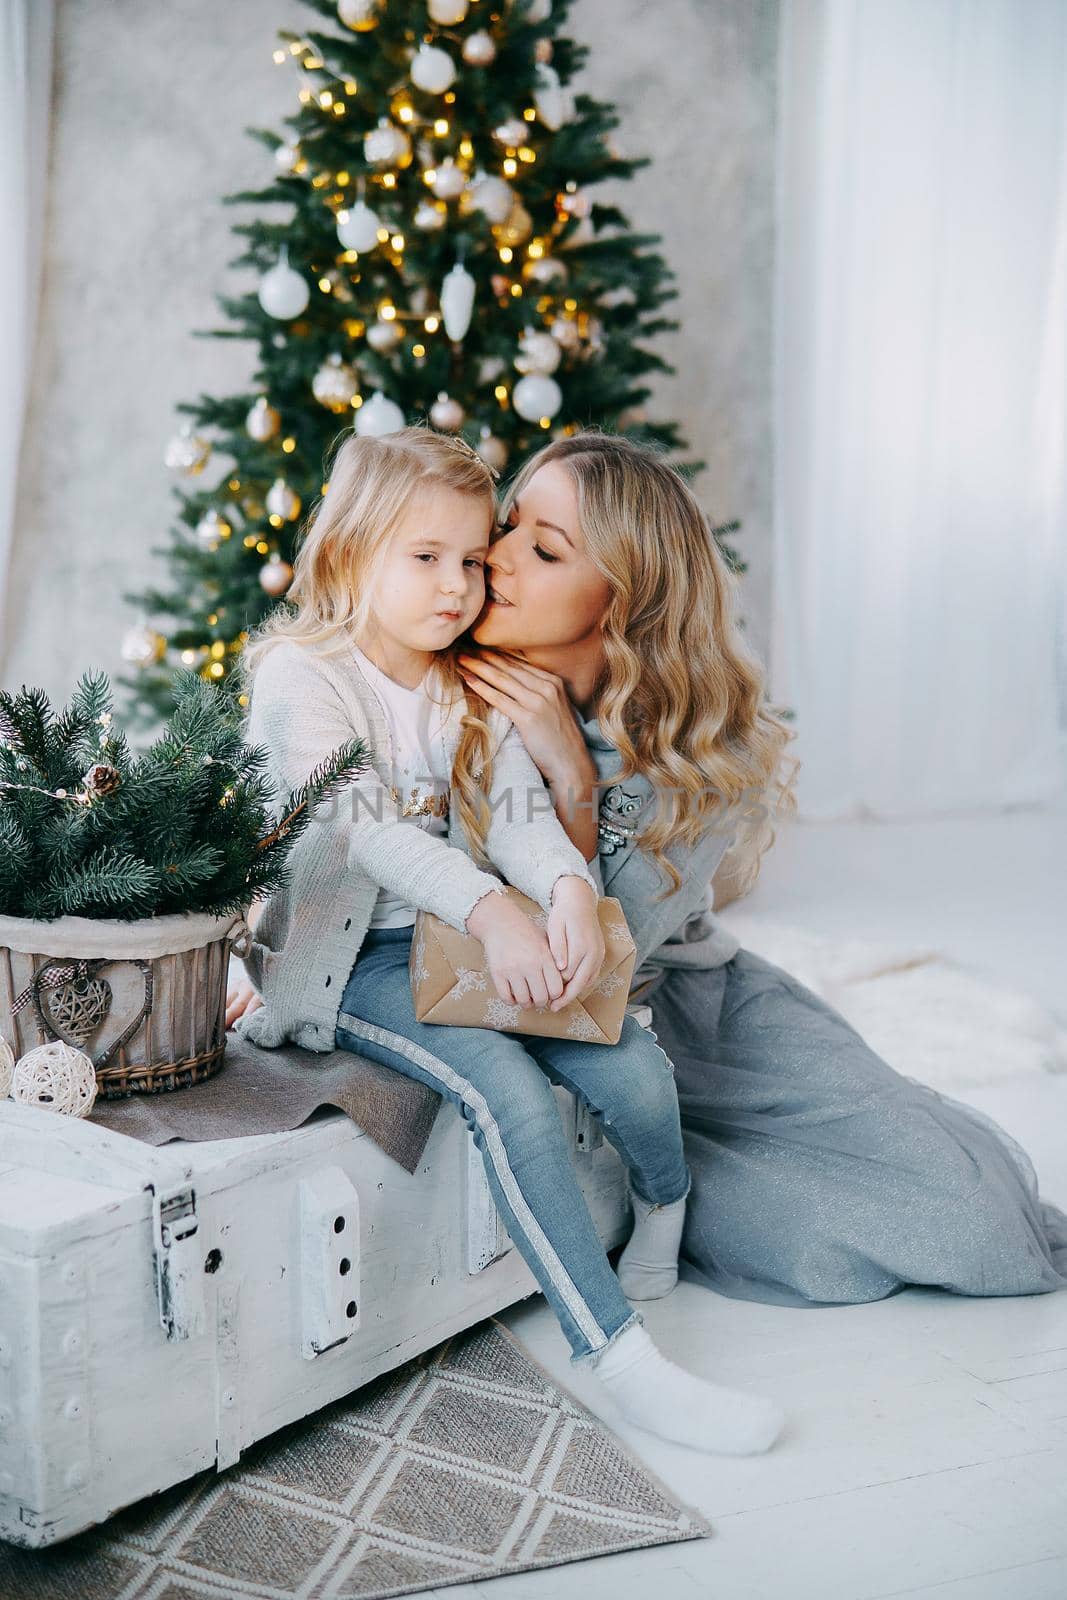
(150, 103)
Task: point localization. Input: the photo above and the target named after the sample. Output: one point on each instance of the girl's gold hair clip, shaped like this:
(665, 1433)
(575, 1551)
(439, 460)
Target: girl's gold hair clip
(461, 444)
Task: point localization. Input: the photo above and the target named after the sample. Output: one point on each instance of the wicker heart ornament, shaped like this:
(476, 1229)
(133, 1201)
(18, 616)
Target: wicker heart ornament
(74, 1011)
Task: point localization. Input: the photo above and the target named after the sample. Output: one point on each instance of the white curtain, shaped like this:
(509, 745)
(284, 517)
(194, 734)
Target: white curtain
(921, 402)
(26, 32)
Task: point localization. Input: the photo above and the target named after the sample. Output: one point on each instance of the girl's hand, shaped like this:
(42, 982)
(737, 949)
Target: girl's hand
(241, 996)
(537, 703)
(517, 953)
(574, 937)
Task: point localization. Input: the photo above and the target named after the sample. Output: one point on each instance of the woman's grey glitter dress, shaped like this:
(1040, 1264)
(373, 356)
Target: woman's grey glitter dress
(820, 1175)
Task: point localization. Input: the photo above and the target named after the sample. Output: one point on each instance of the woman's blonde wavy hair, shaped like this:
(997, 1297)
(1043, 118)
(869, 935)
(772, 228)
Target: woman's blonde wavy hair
(371, 483)
(681, 696)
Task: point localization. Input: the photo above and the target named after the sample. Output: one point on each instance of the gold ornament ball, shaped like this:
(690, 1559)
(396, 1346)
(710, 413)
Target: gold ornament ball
(275, 576)
(517, 229)
(262, 422)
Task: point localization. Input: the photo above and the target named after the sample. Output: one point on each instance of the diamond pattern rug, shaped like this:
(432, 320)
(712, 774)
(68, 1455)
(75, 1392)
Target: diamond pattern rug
(465, 1464)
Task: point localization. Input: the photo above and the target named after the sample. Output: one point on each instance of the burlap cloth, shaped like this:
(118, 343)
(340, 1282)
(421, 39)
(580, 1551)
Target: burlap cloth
(272, 1091)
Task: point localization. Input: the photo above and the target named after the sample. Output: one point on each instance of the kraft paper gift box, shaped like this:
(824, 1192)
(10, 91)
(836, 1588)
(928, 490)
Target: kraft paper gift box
(450, 981)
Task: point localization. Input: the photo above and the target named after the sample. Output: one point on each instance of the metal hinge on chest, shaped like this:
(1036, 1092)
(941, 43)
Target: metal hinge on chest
(176, 1262)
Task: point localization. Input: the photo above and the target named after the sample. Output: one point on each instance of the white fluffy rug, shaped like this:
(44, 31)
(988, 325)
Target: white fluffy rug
(928, 1017)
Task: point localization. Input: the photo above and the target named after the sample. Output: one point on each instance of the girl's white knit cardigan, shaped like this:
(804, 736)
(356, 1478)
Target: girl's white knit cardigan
(302, 708)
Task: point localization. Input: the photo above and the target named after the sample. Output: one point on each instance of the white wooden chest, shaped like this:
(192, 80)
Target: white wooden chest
(162, 1308)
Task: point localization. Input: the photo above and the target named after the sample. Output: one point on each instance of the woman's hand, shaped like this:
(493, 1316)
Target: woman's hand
(241, 996)
(536, 701)
(574, 937)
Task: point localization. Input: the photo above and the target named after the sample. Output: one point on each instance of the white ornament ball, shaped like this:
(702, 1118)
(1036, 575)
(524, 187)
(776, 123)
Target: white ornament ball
(427, 218)
(187, 452)
(446, 13)
(378, 416)
(357, 228)
(286, 157)
(538, 352)
(543, 50)
(362, 15)
(493, 451)
(457, 301)
(211, 529)
(546, 271)
(511, 133)
(283, 293)
(334, 384)
(263, 421)
(432, 70)
(537, 11)
(492, 196)
(282, 501)
(537, 396)
(383, 337)
(387, 145)
(142, 646)
(449, 180)
(565, 333)
(56, 1077)
(275, 576)
(479, 50)
(490, 369)
(447, 414)
(7, 1067)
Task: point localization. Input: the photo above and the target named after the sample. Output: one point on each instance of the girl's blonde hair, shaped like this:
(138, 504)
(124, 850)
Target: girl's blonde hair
(371, 484)
(681, 696)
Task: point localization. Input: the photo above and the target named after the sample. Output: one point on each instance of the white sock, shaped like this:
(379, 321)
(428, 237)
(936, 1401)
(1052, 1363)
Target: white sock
(654, 1394)
(648, 1267)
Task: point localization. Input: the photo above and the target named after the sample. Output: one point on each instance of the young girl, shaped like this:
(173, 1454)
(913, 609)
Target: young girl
(390, 574)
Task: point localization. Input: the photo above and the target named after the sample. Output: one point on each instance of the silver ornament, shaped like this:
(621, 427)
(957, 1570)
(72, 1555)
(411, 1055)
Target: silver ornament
(283, 293)
(335, 384)
(493, 451)
(187, 452)
(449, 180)
(275, 576)
(282, 501)
(263, 421)
(211, 529)
(447, 414)
(479, 50)
(538, 352)
(432, 70)
(383, 337)
(536, 396)
(378, 416)
(387, 145)
(357, 227)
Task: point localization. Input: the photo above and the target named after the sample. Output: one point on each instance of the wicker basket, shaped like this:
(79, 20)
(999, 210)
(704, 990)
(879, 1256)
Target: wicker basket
(145, 1000)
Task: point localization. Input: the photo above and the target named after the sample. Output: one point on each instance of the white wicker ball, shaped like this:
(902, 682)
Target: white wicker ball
(7, 1067)
(56, 1077)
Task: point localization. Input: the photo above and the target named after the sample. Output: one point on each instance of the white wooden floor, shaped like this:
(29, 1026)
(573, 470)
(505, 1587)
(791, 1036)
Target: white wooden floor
(926, 1453)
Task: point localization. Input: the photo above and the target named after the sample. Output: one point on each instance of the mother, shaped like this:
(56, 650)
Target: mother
(819, 1175)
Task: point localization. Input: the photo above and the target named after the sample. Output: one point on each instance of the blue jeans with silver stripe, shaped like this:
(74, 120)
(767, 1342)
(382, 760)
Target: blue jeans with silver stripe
(502, 1086)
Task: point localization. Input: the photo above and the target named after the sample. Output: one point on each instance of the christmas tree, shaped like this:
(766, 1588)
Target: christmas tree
(440, 257)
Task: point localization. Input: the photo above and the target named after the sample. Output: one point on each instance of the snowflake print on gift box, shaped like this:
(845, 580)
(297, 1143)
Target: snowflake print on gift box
(419, 970)
(582, 1026)
(498, 1014)
(609, 984)
(467, 980)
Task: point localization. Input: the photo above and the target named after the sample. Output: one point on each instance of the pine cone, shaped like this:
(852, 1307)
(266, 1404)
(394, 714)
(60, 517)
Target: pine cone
(101, 779)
